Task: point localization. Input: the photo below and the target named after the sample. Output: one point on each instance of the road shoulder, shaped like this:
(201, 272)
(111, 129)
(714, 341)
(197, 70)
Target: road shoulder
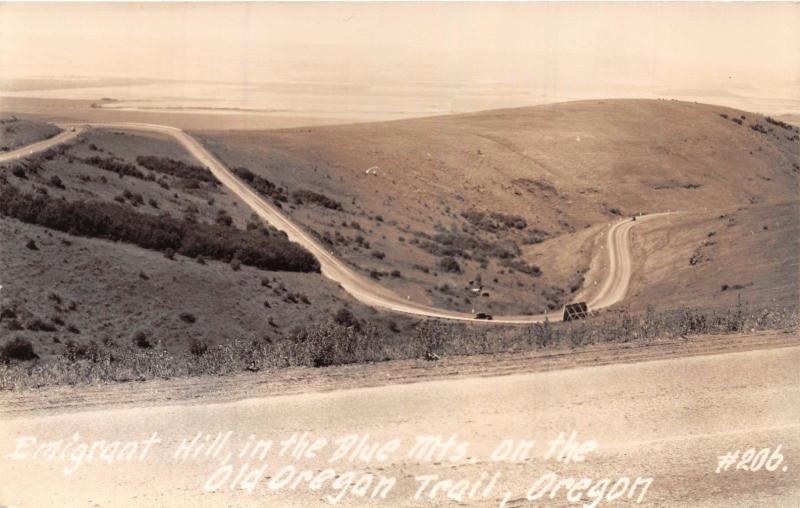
(292, 381)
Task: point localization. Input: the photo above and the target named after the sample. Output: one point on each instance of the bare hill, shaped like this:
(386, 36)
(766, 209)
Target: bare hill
(511, 196)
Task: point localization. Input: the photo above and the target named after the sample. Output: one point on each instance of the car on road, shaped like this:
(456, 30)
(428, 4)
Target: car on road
(483, 315)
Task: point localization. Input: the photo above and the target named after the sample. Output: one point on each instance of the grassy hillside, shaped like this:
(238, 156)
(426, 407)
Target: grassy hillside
(718, 259)
(486, 189)
(87, 263)
(16, 132)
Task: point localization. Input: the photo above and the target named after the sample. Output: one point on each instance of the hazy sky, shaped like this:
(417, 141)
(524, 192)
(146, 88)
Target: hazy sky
(669, 43)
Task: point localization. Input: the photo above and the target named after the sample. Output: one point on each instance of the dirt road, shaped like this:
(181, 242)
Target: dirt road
(668, 420)
(364, 289)
(40, 146)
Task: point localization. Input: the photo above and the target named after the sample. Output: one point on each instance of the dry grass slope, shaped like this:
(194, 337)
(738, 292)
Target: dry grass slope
(486, 188)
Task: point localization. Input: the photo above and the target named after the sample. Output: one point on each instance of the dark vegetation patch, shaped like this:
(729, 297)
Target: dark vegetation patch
(780, 123)
(494, 221)
(315, 198)
(17, 349)
(448, 264)
(540, 186)
(534, 236)
(180, 169)
(110, 221)
(114, 165)
(523, 266)
(261, 185)
(465, 245)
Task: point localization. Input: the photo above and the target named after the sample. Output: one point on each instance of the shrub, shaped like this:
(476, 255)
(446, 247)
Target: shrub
(223, 219)
(494, 221)
(17, 349)
(779, 123)
(198, 347)
(38, 325)
(448, 264)
(55, 181)
(316, 198)
(140, 340)
(261, 184)
(187, 317)
(163, 233)
(176, 168)
(344, 317)
(74, 351)
(522, 266)
(114, 165)
(378, 254)
(31, 244)
(453, 243)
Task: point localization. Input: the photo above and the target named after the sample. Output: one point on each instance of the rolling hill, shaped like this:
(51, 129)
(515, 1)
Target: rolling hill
(512, 201)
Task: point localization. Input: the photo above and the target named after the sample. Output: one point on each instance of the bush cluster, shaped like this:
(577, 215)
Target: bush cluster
(448, 264)
(494, 221)
(523, 266)
(307, 196)
(176, 168)
(114, 165)
(261, 184)
(111, 221)
(780, 123)
(17, 349)
(454, 243)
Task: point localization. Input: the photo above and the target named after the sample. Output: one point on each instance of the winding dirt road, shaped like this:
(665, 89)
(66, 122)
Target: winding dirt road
(362, 288)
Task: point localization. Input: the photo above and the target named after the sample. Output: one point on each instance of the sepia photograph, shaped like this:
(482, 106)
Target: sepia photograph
(399, 254)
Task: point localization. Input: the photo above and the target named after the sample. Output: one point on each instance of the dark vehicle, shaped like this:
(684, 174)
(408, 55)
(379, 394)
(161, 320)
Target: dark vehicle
(575, 311)
(483, 315)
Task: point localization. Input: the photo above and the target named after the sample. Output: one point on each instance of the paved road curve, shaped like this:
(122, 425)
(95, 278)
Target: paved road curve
(667, 419)
(359, 286)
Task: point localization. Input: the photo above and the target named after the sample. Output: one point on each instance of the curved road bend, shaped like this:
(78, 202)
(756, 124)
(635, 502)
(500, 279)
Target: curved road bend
(40, 146)
(359, 286)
